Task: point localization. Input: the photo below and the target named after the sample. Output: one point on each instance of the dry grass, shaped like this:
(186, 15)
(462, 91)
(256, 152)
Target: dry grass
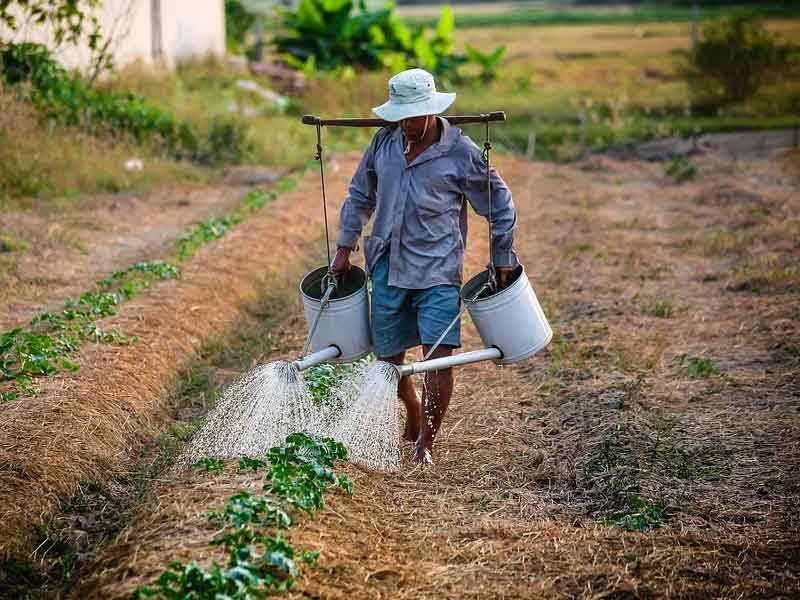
(38, 159)
(534, 456)
(88, 426)
(71, 244)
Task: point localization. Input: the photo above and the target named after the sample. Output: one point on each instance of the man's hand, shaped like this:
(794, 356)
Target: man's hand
(341, 262)
(504, 276)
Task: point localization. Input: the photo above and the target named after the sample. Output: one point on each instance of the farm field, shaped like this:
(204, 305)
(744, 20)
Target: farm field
(672, 378)
(652, 450)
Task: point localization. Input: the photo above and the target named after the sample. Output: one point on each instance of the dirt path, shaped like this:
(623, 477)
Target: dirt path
(73, 243)
(673, 378)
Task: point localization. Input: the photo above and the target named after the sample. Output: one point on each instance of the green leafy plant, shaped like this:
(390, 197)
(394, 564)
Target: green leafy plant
(695, 367)
(300, 470)
(210, 465)
(70, 20)
(238, 21)
(203, 233)
(250, 464)
(322, 379)
(641, 514)
(43, 346)
(334, 34)
(736, 55)
(680, 169)
(487, 61)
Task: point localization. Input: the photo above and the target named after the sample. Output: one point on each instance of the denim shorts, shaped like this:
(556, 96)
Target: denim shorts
(404, 318)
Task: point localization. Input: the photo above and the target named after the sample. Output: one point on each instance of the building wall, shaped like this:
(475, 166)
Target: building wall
(192, 28)
(189, 29)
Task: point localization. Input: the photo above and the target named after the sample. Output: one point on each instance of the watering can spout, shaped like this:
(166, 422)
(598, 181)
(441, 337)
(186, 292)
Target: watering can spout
(456, 360)
(317, 358)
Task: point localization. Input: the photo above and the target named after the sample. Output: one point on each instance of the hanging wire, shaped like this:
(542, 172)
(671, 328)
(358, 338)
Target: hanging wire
(487, 146)
(324, 200)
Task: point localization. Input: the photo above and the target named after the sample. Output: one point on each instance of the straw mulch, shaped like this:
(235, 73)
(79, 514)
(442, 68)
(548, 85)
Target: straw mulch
(89, 426)
(535, 456)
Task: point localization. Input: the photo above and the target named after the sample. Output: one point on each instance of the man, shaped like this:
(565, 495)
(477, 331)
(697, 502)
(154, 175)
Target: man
(415, 177)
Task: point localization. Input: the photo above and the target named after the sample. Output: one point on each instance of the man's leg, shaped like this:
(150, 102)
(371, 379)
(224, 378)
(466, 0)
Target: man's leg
(407, 393)
(435, 400)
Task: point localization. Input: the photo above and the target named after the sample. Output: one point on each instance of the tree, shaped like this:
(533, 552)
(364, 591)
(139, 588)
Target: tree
(736, 56)
(71, 20)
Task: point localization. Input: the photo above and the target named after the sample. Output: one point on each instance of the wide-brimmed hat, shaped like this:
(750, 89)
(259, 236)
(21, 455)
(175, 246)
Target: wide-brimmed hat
(412, 93)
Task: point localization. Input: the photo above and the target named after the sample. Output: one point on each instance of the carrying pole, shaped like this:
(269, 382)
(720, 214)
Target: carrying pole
(452, 119)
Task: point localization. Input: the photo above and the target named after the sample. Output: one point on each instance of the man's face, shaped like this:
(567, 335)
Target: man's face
(414, 127)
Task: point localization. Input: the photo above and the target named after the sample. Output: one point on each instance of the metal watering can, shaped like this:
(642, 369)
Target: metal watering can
(510, 321)
(337, 313)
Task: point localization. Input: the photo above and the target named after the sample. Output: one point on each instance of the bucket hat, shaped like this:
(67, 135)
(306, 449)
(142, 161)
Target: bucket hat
(412, 93)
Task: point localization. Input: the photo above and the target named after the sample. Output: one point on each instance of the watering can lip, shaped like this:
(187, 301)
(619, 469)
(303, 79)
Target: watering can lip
(478, 280)
(324, 269)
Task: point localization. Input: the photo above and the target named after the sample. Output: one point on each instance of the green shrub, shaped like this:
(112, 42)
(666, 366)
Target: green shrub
(66, 98)
(733, 59)
(238, 21)
(335, 34)
(680, 169)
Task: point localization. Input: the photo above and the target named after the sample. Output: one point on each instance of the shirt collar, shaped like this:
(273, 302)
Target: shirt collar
(449, 135)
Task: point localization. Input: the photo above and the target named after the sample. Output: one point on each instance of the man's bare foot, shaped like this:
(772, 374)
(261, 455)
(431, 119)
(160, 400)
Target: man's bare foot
(421, 455)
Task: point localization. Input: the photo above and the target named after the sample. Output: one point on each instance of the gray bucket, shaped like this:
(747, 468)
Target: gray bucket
(511, 320)
(345, 320)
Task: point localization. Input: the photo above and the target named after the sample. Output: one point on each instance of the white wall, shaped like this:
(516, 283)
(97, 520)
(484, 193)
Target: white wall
(190, 29)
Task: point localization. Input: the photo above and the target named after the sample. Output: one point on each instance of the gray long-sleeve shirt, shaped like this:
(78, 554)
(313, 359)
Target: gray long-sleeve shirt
(420, 212)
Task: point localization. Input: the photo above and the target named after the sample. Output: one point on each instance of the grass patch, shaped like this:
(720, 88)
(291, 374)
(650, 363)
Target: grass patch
(766, 272)
(637, 14)
(696, 367)
(657, 307)
(12, 243)
(44, 160)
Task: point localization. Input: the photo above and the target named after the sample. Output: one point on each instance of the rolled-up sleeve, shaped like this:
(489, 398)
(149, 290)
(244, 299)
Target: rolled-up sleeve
(504, 213)
(360, 202)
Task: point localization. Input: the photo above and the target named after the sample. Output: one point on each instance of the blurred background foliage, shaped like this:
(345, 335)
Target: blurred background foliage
(571, 79)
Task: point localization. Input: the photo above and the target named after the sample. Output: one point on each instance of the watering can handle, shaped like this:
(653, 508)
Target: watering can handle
(326, 297)
(466, 303)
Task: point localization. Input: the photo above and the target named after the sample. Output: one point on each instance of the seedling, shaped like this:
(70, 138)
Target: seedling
(696, 368)
(658, 307)
(211, 465)
(300, 471)
(641, 514)
(250, 464)
(42, 347)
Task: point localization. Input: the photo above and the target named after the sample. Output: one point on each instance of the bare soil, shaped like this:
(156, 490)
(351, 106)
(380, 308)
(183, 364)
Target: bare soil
(73, 243)
(673, 376)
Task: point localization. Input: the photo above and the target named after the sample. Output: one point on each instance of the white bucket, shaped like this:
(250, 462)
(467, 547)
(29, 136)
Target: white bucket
(511, 320)
(345, 320)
